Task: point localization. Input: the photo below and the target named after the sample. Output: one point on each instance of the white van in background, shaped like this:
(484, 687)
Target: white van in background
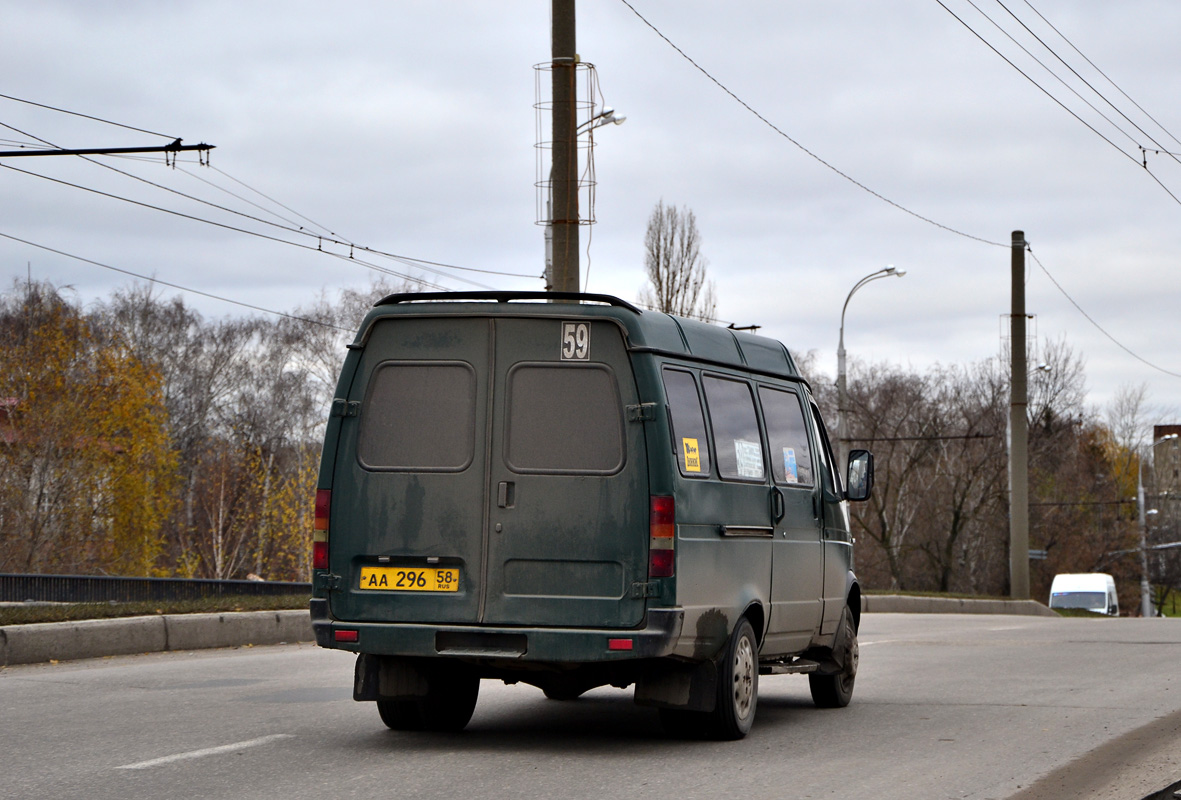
(1090, 591)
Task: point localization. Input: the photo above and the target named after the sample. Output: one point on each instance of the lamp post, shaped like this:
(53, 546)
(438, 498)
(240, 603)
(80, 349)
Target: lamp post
(842, 385)
(1145, 585)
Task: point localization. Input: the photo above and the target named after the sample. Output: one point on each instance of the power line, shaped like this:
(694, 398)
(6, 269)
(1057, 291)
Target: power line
(318, 248)
(1101, 72)
(1084, 80)
(174, 285)
(808, 152)
(1025, 75)
(1091, 320)
(427, 265)
(1055, 75)
(1048, 94)
(86, 116)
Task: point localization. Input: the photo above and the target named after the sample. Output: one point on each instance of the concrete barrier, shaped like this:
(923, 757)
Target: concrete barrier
(58, 641)
(908, 604)
(199, 631)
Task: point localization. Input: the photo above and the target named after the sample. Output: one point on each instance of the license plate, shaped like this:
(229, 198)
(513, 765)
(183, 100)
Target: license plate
(410, 579)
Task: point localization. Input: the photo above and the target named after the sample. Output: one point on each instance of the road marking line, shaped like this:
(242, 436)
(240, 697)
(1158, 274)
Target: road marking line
(208, 751)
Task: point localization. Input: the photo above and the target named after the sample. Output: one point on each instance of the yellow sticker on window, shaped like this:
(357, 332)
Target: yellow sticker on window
(692, 455)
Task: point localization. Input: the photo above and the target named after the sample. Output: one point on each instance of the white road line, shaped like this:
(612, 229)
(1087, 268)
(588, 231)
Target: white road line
(208, 751)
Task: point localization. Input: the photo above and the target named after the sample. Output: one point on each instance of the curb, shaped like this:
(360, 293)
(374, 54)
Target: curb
(94, 638)
(906, 604)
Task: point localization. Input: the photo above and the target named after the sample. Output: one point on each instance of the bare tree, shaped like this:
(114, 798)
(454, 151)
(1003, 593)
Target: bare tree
(675, 266)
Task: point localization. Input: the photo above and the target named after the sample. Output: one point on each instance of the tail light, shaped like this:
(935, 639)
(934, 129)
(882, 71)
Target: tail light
(320, 529)
(662, 537)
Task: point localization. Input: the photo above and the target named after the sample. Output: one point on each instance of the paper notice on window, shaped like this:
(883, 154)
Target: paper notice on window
(791, 470)
(750, 458)
(692, 455)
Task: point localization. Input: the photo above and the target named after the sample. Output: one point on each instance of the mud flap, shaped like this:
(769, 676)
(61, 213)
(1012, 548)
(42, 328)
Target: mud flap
(673, 684)
(832, 661)
(383, 678)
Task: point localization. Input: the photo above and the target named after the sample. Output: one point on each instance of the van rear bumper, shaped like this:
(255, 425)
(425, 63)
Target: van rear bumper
(656, 639)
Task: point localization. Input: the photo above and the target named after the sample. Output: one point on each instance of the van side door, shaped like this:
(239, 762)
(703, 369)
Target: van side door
(797, 559)
(838, 540)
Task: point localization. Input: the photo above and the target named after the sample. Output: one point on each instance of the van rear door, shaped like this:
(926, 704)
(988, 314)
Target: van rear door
(409, 485)
(491, 452)
(569, 511)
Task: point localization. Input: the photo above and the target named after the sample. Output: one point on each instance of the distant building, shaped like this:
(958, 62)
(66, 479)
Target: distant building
(1166, 458)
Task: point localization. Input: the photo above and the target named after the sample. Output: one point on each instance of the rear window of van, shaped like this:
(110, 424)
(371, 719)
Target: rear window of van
(419, 416)
(564, 419)
(688, 423)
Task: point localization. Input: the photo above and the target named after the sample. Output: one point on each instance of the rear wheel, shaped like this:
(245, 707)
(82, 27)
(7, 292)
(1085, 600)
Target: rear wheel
(447, 706)
(836, 690)
(738, 686)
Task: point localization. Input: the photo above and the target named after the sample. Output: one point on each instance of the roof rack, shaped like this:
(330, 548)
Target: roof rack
(504, 297)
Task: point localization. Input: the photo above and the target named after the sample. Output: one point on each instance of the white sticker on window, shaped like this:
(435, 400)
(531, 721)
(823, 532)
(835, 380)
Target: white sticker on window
(750, 458)
(791, 471)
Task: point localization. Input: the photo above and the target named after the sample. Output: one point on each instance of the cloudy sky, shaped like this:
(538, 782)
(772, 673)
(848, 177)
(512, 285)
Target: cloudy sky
(409, 127)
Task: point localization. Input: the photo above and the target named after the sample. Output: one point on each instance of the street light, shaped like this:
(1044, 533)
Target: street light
(842, 386)
(1145, 586)
(605, 117)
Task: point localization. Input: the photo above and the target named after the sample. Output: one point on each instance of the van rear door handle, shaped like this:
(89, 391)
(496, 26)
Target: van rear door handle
(778, 506)
(506, 494)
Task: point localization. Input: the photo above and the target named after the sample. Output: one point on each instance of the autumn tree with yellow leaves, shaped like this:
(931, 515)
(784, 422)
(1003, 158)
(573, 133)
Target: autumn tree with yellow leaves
(86, 473)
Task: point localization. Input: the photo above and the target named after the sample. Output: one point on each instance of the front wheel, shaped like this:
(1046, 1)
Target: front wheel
(836, 690)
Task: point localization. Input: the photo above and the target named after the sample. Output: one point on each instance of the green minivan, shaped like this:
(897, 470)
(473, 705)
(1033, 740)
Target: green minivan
(566, 491)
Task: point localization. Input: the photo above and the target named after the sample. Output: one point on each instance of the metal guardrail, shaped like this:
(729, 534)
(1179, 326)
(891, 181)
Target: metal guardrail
(17, 588)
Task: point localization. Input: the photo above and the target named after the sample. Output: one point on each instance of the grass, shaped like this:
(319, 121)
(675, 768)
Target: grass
(23, 613)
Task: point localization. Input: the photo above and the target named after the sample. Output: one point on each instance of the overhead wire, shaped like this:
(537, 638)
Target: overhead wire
(87, 116)
(430, 266)
(174, 285)
(1091, 319)
(801, 147)
(1053, 74)
(1065, 107)
(1101, 72)
(236, 229)
(1026, 75)
(1087, 83)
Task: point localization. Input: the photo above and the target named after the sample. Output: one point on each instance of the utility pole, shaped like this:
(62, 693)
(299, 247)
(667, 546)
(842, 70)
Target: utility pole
(1018, 431)
(565, 149)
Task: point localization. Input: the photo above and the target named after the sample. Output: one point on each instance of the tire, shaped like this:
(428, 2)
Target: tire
(836, 690)
(738, 686)
(448, 705)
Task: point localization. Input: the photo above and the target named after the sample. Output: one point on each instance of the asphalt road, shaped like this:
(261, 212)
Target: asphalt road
(946, 706)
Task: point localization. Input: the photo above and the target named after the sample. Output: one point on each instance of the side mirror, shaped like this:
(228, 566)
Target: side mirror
(860, 475)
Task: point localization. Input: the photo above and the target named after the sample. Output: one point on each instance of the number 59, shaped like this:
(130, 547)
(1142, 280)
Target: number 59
(575, 341)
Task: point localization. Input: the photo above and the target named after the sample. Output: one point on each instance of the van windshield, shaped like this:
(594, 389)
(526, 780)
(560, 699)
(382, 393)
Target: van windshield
(1086, 600)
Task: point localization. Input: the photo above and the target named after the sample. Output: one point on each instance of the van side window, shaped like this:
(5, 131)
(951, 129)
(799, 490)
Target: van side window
(737, 441)
(828, 464)
(791, 457)
(419, 416)
(564, 420)
(688, 423)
